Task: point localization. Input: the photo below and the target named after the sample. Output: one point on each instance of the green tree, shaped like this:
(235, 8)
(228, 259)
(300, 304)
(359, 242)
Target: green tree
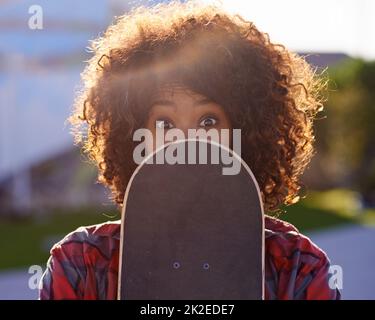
(346, 132)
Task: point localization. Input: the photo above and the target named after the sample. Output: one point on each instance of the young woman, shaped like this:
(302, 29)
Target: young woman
(194, 66)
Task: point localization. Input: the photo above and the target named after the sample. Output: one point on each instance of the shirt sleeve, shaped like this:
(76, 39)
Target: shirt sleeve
(297, 269)
(61, 279)
(315, 283)
(312, 281)
(83, 265)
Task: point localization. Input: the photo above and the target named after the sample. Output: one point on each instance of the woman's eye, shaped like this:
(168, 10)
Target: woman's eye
(164, 124)
(208, 122)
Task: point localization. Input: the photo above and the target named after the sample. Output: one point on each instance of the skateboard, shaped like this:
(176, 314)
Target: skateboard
(189, 231)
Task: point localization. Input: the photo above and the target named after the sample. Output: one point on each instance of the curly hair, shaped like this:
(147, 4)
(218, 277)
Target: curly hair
(268, 92)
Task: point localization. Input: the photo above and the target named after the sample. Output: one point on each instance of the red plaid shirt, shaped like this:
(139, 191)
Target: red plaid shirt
(84, 265)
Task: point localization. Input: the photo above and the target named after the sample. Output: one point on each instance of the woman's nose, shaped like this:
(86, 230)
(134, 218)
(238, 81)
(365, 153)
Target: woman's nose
(185, 127)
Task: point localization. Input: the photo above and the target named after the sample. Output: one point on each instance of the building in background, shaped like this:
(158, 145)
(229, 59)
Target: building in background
(39, 74)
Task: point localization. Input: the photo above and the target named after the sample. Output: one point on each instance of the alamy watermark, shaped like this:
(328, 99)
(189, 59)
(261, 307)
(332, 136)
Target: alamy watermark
(175, 153)
(35, 21)
(336, 277)
(35, 280)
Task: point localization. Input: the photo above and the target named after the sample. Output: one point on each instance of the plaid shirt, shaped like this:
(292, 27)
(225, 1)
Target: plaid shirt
(84, 265)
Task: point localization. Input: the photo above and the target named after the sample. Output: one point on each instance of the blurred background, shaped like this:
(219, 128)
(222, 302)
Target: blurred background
(47, 188)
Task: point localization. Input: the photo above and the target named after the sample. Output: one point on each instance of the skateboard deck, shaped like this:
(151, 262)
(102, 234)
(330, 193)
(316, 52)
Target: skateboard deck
(190, 232)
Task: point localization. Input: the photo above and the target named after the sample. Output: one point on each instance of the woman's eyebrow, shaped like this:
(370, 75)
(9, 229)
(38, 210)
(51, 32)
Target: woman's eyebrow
(163, 102)
(203, 101)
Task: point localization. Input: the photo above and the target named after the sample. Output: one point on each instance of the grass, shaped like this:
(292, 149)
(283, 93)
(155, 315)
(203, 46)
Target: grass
(327, 209)
(26, 241)
(307, 218)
